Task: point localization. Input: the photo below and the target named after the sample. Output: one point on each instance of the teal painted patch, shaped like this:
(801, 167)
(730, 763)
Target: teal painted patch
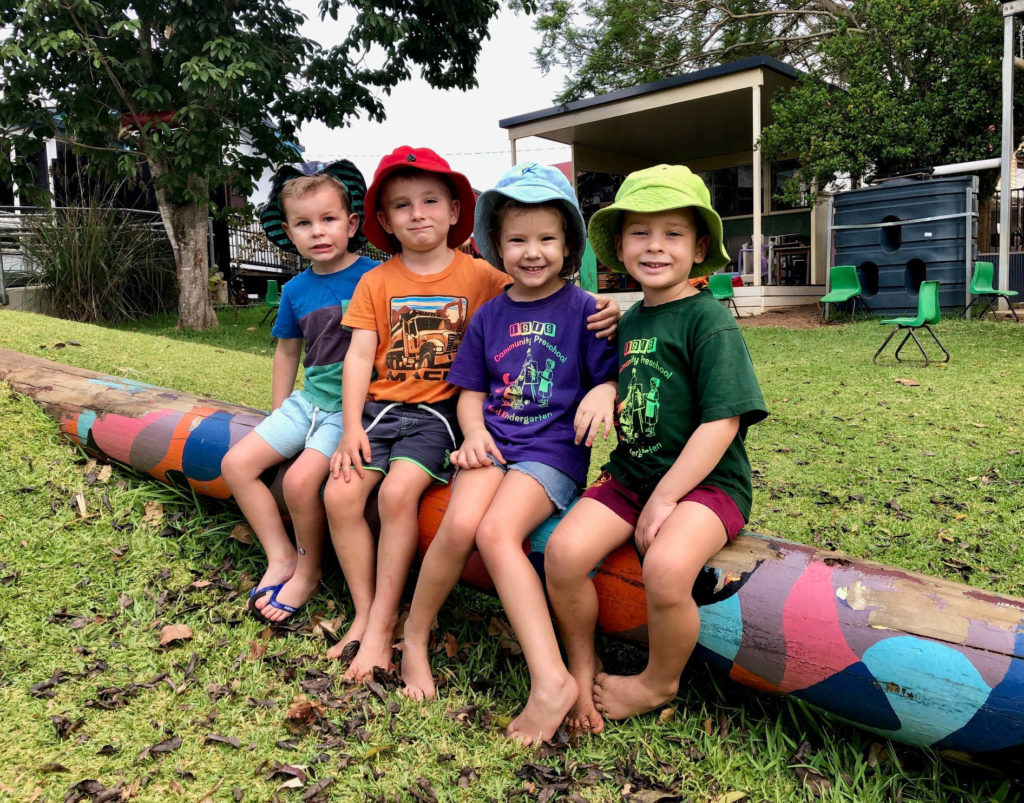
(721, 627)
(85, 422)
(934, 689)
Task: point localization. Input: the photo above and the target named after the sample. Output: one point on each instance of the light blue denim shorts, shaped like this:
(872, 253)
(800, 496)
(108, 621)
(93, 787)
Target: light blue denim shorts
(298, 425)
(559, 486)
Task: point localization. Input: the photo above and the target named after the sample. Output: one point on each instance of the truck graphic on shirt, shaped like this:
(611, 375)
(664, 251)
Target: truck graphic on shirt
(425, 337)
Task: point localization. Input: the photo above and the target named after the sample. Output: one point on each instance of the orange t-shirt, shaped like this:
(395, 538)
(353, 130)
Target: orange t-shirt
(419, 322)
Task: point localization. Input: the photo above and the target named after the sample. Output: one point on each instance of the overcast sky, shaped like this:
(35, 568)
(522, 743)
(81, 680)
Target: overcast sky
(461, 126)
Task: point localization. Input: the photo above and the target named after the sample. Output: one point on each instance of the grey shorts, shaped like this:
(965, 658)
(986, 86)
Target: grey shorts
(298, 425)
(424, 434)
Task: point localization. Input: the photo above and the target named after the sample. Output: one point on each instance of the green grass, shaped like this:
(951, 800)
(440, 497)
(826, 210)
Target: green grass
(929, 478)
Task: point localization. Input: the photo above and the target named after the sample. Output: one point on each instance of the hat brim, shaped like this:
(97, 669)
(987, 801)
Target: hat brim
(605, 224)
(575, 234)
(457, 234)
(272, 216)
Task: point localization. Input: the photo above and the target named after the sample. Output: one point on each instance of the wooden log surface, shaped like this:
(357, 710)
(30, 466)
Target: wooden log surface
(918, 659)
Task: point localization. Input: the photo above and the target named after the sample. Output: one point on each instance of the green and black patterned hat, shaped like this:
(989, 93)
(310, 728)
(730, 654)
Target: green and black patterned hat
(272, 216)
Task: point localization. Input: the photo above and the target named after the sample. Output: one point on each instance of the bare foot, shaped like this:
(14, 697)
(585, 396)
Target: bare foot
(373, 651)
(545, 709)
(416, 674)
(352, 636)
(584, 716)
(284, 603)
(621, 696)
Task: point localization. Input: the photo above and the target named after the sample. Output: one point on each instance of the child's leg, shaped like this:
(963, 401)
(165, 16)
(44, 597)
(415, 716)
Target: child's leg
(354, 544)
(301, 487)
(442, 566)
(686, 541)
(587, 533)
(398, 503)
(241, 468)
(519, 506)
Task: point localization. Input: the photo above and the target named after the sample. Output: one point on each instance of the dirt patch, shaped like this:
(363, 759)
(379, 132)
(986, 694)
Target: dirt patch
(805, 316)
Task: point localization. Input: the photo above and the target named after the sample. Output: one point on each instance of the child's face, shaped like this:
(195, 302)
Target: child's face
(659, 249)
(533, 249)
(418, 210)
(320, 225)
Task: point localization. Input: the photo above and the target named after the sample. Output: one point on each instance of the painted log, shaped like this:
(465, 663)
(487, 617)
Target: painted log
(917, 659)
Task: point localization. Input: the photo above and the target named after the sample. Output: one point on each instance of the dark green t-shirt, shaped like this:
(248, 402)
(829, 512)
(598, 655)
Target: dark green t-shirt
(682, 364)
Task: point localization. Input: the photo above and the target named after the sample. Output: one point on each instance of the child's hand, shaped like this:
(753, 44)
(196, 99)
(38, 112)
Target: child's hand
(475, 451)
(596, 410)
(652, 517)
(351, 452)
(605, 321)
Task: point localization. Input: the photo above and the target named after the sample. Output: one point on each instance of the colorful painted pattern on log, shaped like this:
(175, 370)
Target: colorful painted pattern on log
(917, 659)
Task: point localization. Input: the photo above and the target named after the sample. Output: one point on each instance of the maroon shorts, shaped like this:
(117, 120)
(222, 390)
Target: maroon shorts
(627, 504)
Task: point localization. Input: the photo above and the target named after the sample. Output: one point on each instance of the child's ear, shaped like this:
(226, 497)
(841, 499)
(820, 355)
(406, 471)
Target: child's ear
(456, 208)
(701, 250)
(384, 223)
(618, 246)
(353, 225)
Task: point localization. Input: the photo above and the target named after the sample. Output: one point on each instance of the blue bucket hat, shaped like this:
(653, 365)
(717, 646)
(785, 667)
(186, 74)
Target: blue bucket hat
(272, 216)
(531, 183)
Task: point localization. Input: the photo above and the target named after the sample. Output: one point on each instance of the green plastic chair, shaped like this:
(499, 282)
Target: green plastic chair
(845, 287)
(982, 289)
(588, 270)
(720, 285)
(928, 312)
(271, 302)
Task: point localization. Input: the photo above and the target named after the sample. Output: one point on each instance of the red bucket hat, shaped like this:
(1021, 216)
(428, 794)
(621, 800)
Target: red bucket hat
(420, 159)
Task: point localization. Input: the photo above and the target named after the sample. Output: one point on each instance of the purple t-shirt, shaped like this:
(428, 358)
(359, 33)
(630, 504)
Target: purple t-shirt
(535, 361)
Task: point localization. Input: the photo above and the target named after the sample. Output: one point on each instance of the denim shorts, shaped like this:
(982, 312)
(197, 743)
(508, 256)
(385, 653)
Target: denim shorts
(559, 486)
(298, 425)
(424, 434)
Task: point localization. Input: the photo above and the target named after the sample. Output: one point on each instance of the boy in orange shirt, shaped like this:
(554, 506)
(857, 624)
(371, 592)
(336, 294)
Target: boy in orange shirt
(407, 318)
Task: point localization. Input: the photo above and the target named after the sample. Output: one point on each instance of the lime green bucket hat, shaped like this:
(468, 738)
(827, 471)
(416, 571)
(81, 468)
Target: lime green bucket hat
(658, 189)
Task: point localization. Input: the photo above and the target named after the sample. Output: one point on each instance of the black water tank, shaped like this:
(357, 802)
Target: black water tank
(892, 260)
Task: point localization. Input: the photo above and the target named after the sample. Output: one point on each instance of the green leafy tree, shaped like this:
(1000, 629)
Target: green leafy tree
(208, 92)
(611, 44)
(919, 85)
(890, 85)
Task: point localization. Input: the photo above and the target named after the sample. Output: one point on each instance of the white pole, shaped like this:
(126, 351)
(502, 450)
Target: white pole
(1008, 162)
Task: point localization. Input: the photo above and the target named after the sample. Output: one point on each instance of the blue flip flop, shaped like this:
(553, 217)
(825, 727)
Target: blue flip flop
(256, 593)
(281, 606)
(273, 603)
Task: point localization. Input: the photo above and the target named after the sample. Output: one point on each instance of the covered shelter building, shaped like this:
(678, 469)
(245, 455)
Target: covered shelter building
(711, 121)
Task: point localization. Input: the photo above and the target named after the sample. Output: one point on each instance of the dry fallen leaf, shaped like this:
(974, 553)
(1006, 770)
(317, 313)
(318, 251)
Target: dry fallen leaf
(80, 507)
(910, 383)
(242, 533)
(731, 797)
(666, 714)
(154, 513)
(171, 633)
(103, 475)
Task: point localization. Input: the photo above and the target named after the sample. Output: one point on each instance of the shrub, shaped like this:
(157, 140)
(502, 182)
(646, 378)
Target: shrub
(101, 264)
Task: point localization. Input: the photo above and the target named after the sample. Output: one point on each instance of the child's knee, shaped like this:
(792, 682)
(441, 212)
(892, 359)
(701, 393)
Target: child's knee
(563, 557)
(459, 530)
(668, 579)
(231, 467)
(394, 500)
(300, 489)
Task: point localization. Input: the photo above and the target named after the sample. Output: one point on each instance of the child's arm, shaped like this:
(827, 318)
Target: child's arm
(355, 380)
(605, 320)
(285, 369)
(477, 442)
(596, 410)
(701, 454)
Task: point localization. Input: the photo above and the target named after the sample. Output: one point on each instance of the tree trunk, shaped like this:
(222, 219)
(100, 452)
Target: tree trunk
(186, 227)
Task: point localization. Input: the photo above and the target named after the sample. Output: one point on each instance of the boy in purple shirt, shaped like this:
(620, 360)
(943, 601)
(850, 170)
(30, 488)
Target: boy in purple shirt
(525, 366)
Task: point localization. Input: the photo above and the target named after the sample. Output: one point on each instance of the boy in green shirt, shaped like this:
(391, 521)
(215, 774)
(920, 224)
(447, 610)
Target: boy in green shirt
(678, 482)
